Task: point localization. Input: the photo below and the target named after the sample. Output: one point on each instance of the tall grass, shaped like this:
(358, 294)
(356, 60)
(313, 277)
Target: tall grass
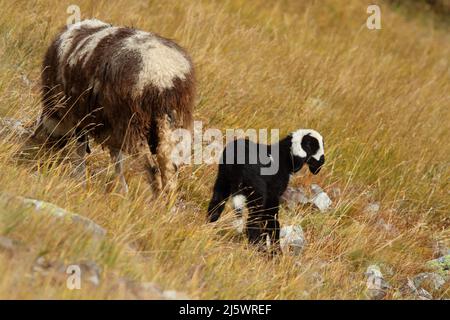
(379, 97)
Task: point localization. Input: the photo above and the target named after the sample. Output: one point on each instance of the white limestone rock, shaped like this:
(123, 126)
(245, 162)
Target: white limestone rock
(292, 240)
(377, 286)
(320, 199)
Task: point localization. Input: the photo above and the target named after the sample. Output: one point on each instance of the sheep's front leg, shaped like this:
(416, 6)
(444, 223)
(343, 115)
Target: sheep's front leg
(117, 159)
(82, 148)
(164, 153)
(153, 172)
(272, 224)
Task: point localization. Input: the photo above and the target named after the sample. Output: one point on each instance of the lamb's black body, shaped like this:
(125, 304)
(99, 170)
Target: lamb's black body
(262, 192)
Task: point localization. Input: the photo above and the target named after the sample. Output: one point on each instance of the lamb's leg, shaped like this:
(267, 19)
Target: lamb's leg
(256, 223)
(220, 195)
(117, 159)
(272, 224)
(164, 153)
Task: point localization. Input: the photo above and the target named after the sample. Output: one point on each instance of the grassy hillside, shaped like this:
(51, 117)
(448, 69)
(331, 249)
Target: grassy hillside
(379, 97)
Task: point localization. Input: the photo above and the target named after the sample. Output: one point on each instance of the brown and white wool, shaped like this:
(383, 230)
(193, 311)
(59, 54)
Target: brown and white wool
(127, 89)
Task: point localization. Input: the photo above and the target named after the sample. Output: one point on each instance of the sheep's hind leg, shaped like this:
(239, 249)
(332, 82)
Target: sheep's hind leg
(117, 158)
(164, 153)
(82, 148)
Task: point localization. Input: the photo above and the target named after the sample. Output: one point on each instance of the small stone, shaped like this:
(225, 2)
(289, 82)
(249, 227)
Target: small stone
(42, 266)
(317, 279)
(316, 189)
(413, 287)
(376, 285)
(387, 227)
(292, 239)
(430, 280)
(174, 295)
(408, 288)
(294, 196)
(150, 289)
(423, 294)
(8, 244)
(441, 265)
(25, 80)
(14, 126)
(440, 249)
(372, 208)
(320, 199)
(90, 271)
(316, 103)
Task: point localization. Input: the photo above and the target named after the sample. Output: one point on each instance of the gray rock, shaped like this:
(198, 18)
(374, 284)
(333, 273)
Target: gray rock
(409, 290)
(372, 208)
(318, 279)
(417, 292)
(316, 103)
(151, 290)
(42, 266)
(423, 294)
(7, 244)
(90, 271)
(14, 126)
(148, 289)
(387, 227)
(25, 80)
(430, 279)
(51, 209)
(441, 265)
(292, 239)
(320, 199)
(294, 196)
(377, 286)
(440, 248)
(174, 295)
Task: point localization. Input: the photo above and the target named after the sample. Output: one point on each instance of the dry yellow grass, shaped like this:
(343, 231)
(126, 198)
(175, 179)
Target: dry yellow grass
(384, 112)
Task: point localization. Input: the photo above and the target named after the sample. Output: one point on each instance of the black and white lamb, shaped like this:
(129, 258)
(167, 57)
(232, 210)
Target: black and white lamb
(246, 182)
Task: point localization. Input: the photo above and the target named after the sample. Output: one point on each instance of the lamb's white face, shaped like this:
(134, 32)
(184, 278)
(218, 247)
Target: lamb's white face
(297, 138)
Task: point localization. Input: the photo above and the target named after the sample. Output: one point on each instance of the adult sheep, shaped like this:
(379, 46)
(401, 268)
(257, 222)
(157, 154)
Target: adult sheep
(127, 89)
